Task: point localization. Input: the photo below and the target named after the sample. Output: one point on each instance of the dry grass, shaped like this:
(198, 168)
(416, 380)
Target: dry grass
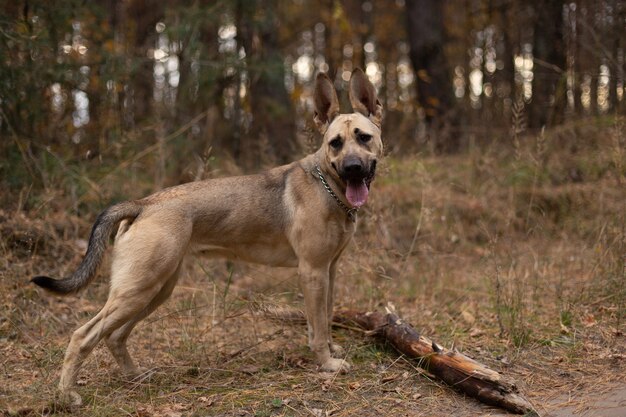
(515, 257)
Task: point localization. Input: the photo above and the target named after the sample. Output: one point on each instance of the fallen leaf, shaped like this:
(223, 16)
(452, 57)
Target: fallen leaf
(468, 317)
(588, 320)
(475, 332)
(354, 385)
(206, 401)
(389, 378)
(326, 385)
(332, 411)
(250, 370)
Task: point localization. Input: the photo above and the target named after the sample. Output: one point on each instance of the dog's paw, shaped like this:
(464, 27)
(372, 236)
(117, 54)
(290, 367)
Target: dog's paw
(137, 373)
(336, 350)
(335, 365)
(68, 399)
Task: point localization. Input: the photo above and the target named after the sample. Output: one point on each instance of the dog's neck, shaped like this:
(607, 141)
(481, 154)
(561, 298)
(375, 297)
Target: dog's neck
(330, 173)
(332, 179)
(350, 211)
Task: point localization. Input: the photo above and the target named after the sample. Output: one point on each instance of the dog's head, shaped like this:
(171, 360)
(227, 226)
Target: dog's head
(352, 142)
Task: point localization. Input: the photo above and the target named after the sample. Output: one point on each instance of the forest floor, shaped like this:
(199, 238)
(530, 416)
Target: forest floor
(513, 257)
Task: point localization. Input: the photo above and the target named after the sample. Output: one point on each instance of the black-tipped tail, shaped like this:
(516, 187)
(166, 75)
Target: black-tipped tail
(102, 229)
(57, 286)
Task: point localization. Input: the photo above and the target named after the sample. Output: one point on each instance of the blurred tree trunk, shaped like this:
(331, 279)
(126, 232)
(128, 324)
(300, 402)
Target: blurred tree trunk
(202, 80)
(615, 66)
(142, 16)
(591, 62)
(621, 56)
(333, 51)
(593, 100)
(506, 15)
(98, 126)
(549, 88)
(361, 28)
(488, 100)
(581, 12)
(273, 126)
(426, 36)
(511, 47)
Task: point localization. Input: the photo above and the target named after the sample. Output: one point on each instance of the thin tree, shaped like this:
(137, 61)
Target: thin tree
(273, 122)
(549, 76)
(426, 36)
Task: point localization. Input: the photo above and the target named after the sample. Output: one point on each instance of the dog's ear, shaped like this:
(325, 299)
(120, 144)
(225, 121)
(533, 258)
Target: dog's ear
(326, 102)
(363, 97)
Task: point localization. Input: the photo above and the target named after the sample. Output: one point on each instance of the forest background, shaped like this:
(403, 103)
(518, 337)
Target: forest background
(497, 223)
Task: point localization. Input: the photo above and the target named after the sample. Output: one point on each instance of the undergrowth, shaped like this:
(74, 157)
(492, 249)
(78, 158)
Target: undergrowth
(512, 253)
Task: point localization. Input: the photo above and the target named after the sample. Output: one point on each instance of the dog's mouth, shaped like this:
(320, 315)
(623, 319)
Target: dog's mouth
(358, 186)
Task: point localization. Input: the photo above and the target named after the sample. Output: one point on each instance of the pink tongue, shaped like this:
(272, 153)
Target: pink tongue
(356, 193)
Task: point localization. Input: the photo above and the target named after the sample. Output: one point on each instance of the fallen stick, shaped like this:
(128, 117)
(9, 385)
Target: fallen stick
(454, 368)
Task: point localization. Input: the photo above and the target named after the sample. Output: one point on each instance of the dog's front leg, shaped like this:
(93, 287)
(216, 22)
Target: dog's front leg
(335, 349)
(315, 281)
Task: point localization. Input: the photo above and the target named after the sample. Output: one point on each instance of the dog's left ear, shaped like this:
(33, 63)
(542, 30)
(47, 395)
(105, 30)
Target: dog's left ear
(363, 97)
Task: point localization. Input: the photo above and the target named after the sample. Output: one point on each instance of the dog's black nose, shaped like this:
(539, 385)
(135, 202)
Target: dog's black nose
(353, 167)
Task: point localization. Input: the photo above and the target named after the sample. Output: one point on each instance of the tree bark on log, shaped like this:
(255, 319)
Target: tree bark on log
(454, 368)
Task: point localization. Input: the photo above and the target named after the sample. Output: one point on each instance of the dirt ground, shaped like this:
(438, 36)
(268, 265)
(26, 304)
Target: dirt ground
(524, 275)
(610, 403)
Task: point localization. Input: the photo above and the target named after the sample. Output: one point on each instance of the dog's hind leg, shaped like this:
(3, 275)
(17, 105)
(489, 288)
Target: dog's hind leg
(116, 341)
(142, 268)
(116, 312)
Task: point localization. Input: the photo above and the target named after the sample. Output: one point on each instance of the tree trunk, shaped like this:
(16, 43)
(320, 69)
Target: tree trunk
(426, 36)
(582, 57)
(142, 16)
(273, 127)
(549, 93)
(332, 51)
(361, 29)
(505, 78)
(614, 65)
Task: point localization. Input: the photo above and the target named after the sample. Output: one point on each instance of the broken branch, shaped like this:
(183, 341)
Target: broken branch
(454, 368)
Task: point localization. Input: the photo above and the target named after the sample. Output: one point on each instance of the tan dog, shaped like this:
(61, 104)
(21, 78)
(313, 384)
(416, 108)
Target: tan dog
(300, 215)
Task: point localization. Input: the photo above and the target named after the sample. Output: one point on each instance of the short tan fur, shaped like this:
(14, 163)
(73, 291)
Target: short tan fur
(283, 217)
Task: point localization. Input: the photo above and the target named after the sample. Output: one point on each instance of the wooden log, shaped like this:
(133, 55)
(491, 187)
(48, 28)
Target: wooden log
(454, 368)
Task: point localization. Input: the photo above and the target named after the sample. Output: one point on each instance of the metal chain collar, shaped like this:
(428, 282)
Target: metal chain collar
(350, 212)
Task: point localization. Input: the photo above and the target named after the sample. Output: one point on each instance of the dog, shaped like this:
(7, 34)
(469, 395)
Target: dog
(300, 215)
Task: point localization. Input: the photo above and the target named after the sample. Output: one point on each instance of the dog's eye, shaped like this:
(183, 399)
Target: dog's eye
(364, 137)
(335, 143)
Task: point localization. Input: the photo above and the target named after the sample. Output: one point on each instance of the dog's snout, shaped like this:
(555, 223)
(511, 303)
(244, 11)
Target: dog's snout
(353, 166)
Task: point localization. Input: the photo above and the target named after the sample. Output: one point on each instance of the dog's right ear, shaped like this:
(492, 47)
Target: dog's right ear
(326, 102)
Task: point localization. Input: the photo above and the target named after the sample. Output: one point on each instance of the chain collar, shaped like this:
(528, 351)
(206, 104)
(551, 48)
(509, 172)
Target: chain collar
(350, 212)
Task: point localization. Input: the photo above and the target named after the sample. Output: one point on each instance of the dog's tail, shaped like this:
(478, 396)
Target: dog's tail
(102, 229)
